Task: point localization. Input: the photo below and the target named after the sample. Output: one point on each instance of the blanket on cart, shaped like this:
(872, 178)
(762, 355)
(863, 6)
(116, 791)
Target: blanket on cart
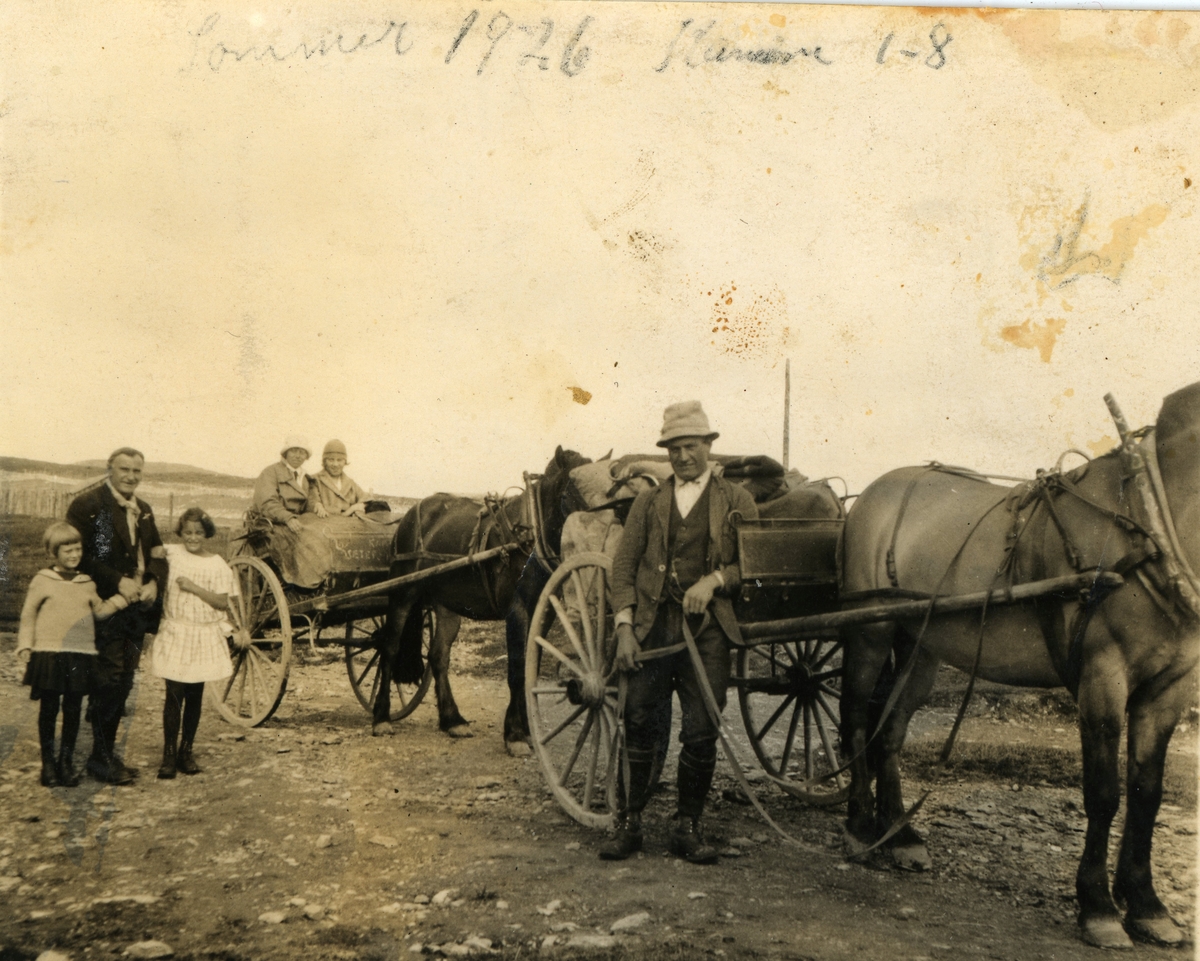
(613, 483)
(327, 546)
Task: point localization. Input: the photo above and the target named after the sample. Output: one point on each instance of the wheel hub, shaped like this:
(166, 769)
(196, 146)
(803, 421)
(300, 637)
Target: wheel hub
(585, 690)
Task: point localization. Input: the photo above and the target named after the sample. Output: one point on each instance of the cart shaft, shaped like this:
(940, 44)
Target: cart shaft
(325, 602)
(804, 626)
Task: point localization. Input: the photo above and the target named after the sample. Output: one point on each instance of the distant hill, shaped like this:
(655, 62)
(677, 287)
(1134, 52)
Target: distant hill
(168, 488)
(154, 466)
(163, 470)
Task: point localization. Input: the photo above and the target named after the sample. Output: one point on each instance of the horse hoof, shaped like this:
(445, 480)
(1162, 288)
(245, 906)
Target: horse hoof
(518, 748)
(459, 730)
(1154, 930)
(382, 729)
(912, 857)
(1105, 933)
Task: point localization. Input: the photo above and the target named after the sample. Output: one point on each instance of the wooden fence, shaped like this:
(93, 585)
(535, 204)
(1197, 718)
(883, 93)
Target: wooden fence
(35, 501)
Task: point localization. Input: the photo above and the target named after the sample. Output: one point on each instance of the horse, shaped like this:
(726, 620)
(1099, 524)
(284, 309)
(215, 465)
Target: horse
(440, 528)
(1130, 651)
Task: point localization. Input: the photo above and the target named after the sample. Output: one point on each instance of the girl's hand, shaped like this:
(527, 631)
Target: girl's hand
(319, 510)
(185, 584)
(24, 654)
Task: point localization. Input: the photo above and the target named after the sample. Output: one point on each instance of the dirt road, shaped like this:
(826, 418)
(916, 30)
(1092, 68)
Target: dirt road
(310, 838)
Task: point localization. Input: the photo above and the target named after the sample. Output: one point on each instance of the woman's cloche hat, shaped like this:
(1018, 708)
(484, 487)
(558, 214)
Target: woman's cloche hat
(294, 440)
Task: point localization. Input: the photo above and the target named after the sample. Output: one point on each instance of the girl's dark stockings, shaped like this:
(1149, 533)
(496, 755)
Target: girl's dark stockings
(186, 700)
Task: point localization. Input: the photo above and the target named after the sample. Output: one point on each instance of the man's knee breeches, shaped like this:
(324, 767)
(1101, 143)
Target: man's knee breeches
(650, 689)
(119, 649)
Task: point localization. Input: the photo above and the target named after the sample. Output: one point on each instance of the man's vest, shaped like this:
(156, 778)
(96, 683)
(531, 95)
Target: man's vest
(687, 546)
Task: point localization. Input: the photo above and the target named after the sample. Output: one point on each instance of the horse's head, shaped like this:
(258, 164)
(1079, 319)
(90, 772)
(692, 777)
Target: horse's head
(1177, 432)
(554, 494)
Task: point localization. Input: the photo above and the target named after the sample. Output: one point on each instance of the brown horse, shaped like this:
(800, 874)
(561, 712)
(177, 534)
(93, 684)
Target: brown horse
(445, 526)
(1131, 653)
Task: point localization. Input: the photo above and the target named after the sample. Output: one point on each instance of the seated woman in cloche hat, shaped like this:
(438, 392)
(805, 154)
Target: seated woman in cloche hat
(281, 491)
(332, 491)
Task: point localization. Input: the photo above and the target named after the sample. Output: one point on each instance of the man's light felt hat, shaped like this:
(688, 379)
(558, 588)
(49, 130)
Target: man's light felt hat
(295, 440)
(685, 419)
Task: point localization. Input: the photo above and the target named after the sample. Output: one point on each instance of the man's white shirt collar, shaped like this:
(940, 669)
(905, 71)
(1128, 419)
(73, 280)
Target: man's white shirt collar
(121, 498)
(688, 492)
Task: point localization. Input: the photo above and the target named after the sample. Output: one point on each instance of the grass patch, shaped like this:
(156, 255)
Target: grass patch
(1015, 763)
(21, 556)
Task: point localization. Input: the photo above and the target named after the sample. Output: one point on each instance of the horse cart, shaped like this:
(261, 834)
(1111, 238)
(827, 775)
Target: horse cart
(327, 585)
(787, 671)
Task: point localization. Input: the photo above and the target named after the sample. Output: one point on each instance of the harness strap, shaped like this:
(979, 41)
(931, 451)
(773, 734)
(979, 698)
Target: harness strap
(714, 712)
(1150, 453)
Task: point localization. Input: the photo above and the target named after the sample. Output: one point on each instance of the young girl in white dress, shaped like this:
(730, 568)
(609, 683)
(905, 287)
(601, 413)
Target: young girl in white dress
(190, 647)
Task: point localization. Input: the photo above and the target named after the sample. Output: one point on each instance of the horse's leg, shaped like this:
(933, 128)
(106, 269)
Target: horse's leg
(865, 651)
(449, 719)
(516, 634)
(388, 641)
(1102, 696)
(1151, 723)
(906, 845)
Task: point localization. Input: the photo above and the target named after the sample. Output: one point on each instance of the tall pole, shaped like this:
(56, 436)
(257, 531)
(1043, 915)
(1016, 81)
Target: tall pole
(787, 410)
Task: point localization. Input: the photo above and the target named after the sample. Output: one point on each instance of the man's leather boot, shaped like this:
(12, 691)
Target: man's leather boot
(626, 842)
(696, 765)
(112, 727)
(687, 842)
(101, 765)
(628, 839)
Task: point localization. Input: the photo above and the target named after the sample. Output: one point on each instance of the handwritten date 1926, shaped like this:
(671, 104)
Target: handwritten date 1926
(533, 45)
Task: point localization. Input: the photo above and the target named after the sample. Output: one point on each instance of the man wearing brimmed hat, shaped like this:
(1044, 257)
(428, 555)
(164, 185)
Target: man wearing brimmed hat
(677, 558)
(281, 490)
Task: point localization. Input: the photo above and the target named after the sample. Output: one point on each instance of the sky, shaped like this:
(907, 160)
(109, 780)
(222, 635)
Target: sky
(222, 228)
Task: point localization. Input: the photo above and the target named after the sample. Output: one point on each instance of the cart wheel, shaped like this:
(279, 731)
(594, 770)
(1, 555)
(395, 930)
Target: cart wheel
(789, 693)
(570, 696)
(362, 664)
(261, 646)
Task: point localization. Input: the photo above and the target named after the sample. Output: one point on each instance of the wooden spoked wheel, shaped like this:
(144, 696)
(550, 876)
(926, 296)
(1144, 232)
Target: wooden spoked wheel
(260, 648)
(362, 665)
(571, 689)
(789, 691)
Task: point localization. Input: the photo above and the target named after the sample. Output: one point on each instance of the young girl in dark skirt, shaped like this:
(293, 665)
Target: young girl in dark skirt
(58, 639)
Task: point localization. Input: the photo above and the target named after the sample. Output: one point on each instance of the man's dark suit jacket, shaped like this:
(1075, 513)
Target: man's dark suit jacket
(108, 553)
(640, 567)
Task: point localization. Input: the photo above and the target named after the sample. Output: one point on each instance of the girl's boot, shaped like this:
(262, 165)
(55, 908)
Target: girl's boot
(49, 765)
(67, 775)
(169, 762)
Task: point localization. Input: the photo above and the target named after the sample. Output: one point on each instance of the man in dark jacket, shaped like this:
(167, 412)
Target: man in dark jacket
(123, 554)
(678, 558)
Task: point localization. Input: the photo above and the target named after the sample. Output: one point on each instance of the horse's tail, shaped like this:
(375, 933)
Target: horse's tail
(409, 664)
